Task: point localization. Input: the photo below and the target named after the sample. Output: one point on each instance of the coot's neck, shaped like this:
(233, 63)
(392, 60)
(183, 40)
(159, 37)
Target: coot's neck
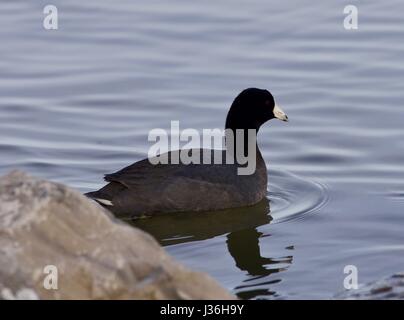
(239, 119)
(246, 139)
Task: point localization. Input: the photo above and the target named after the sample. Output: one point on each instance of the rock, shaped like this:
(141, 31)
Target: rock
(52, 236)
(391, 288)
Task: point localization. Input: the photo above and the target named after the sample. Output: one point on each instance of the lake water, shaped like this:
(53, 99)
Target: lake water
(79, 101)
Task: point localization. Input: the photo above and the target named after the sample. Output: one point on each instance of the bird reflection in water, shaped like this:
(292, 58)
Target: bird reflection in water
(240, 225)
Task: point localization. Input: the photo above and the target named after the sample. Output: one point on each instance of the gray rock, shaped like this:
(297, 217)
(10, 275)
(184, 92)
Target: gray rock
(391, 288)
(96, 256)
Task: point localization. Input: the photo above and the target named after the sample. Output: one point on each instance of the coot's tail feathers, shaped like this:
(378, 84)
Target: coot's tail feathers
(107, 193)
(100, 198)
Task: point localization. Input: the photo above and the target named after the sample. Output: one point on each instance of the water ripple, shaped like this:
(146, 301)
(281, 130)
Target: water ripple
(292, 197)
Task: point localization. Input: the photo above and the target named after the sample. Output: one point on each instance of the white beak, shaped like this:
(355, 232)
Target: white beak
(279, 113)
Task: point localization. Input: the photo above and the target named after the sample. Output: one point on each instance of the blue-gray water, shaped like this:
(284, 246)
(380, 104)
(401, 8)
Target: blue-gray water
(79, 101)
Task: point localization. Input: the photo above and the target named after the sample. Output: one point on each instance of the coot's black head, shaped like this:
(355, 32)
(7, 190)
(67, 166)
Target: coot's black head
(252, 108)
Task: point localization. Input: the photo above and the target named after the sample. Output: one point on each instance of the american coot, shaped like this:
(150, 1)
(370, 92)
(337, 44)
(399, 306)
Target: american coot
(146, 189)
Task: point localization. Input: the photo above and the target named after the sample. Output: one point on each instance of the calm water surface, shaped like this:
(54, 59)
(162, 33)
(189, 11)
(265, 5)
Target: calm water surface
(79, 102)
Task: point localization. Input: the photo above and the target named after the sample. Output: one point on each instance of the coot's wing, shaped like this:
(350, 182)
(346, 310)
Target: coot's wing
(144, 172)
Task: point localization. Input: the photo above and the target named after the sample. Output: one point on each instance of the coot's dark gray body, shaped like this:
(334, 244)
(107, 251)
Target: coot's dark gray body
(144, 188)
(147, 189)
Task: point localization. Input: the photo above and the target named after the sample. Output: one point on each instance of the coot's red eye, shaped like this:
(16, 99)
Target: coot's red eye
(267, 102)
